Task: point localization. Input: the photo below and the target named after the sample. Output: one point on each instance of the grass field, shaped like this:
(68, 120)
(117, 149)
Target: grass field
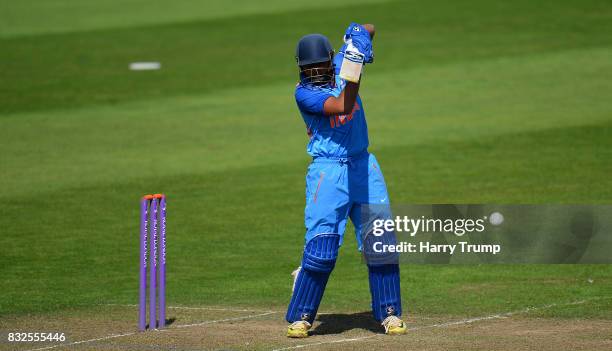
(467, 102)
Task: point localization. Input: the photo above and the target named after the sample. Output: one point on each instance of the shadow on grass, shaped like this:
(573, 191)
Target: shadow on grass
(336, 323)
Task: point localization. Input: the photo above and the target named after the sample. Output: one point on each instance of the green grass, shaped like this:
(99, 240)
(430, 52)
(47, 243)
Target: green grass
(81, 68)
(31, 17)
(479, 102)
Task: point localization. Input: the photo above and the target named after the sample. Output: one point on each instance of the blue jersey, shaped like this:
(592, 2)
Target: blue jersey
(331, 136)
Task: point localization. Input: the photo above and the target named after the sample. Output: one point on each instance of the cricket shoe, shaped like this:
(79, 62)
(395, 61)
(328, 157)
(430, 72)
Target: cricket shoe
(298, 329)
(394, 326)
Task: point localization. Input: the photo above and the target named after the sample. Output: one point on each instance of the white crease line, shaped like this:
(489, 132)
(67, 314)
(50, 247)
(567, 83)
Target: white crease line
(442, 325)
(465, 321)
(159, 330)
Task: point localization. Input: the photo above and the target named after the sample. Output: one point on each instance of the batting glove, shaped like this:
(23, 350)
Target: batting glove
(357, 37)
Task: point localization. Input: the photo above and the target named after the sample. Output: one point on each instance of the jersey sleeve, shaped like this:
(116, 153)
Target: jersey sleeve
(311, 101)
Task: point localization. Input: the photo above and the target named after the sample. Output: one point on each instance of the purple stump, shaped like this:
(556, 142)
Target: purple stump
(153, 264)
(142, 303)
(162, 262)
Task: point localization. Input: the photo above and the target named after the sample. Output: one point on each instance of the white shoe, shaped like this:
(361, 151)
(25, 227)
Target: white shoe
(394, 326)
(298, 329)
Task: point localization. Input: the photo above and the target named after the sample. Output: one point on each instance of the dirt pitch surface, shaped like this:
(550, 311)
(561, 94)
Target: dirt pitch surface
(113, 327)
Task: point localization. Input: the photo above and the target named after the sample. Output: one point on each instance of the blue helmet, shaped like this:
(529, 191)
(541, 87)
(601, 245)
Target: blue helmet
(315, 49)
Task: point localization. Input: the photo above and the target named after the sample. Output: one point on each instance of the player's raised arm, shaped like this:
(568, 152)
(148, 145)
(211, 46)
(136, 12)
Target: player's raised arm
(356, 51)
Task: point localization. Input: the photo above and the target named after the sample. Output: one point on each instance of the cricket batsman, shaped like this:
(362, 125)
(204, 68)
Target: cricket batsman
(342, 178)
